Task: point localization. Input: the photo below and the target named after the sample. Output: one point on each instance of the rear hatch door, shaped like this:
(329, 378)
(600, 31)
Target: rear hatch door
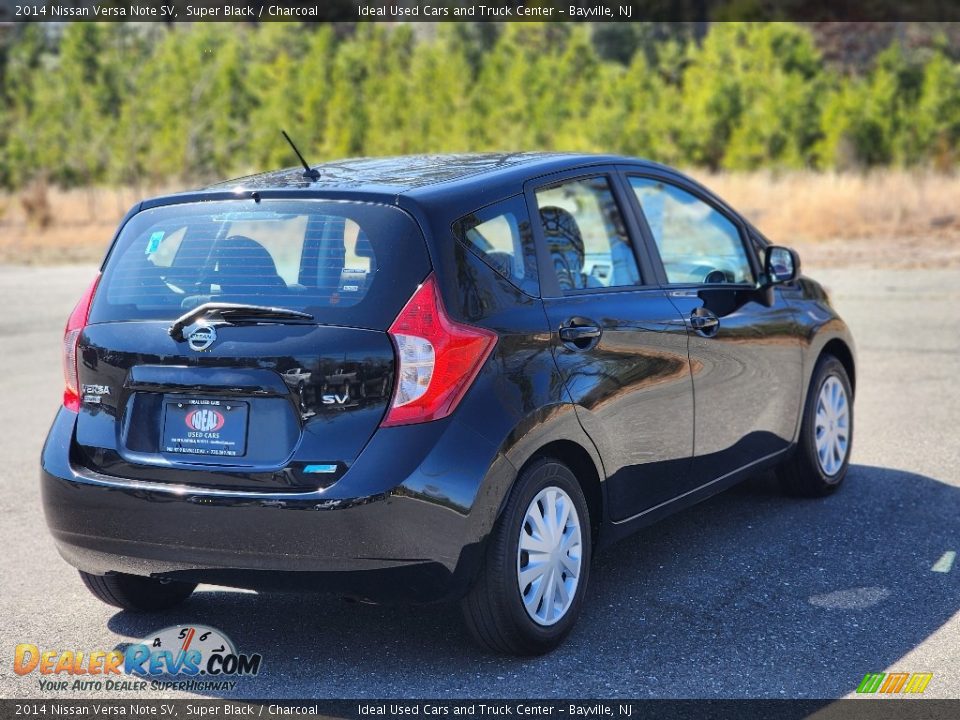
(242, 344)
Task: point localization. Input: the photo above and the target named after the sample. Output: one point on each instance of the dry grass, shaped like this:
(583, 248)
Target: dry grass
(43, 225)
(808, 206)
(880, 218)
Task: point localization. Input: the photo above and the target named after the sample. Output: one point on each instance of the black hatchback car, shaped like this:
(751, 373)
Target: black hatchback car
(431, 378)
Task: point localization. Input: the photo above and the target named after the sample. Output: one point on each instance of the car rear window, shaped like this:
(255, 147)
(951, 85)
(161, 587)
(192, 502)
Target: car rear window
(343, 262)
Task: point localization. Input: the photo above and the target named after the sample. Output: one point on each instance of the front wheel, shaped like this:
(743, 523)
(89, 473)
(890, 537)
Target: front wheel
(534, 575)
(820, 462)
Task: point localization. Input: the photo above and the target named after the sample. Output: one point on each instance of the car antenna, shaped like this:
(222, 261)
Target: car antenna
(308, 172)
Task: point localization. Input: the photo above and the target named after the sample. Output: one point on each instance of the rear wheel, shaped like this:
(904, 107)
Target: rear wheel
(132, 592)
(534, 576)
(820, 462)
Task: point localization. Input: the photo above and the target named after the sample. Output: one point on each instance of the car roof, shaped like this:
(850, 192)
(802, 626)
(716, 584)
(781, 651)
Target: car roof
(407, 174)
(435, 188)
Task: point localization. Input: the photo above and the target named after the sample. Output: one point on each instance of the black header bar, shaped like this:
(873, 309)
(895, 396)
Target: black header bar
(179, 11)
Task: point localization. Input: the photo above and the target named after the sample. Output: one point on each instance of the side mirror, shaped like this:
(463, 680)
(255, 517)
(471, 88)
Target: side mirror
(782, 265)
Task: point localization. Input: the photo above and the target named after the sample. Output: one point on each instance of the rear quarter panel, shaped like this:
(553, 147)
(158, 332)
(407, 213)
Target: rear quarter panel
(519, 402)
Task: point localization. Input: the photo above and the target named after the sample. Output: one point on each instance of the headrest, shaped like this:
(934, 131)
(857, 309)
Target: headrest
(244, 264)
(561, 229)
(566, 246)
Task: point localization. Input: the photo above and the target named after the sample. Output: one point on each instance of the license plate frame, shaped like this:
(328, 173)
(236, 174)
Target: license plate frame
(204, 427)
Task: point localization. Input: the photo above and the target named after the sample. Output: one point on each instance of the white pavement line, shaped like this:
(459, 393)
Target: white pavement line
(945, 562)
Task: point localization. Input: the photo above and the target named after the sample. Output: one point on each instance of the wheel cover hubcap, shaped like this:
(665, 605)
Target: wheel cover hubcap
(832, 427)
(549, 556)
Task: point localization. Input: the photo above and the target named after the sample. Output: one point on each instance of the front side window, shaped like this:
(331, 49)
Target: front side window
(586, 236)
(500, 235)
(697, 244)
(760, 248)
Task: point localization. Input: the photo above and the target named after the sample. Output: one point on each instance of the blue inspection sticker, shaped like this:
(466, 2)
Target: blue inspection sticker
(154, 242)
(320, 469)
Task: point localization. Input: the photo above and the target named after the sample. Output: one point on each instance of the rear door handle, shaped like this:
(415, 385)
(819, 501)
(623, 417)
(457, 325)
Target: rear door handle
(579, 333)
(704, 322)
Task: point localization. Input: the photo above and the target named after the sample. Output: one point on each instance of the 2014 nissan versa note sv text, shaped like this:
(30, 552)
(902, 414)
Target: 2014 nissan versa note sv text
(431, 378)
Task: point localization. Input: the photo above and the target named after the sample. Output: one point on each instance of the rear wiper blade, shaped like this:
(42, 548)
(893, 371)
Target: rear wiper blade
(232, 313)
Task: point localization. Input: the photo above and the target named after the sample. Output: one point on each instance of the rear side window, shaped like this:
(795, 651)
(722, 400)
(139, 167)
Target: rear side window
(586, 235)
(500, 235)
(343, 262)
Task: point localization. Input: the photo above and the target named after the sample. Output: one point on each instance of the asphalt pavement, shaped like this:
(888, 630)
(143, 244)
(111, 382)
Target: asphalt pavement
(750, 594)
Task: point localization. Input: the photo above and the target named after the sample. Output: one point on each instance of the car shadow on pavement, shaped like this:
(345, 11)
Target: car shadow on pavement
(750, 594)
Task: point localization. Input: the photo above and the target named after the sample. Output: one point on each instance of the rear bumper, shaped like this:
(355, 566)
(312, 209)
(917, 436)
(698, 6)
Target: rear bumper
(386, 531)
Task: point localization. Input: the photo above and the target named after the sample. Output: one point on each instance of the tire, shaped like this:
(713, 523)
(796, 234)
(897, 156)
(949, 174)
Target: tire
(806, 474)
(140, 594)
(494, 609)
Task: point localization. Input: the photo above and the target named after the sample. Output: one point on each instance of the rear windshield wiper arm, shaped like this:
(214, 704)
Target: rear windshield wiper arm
(232, 313)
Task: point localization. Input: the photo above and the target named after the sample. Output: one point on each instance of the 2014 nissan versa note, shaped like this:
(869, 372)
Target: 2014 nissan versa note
(430, 378)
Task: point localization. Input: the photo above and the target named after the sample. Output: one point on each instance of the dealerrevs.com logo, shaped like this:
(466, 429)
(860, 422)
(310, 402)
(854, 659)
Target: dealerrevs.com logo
(894, 683)
(191, 658)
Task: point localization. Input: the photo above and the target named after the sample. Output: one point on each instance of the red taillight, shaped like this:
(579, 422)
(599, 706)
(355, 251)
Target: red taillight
(437, 358)
(71, 335)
